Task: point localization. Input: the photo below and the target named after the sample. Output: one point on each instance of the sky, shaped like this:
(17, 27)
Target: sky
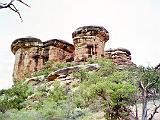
(132, 24)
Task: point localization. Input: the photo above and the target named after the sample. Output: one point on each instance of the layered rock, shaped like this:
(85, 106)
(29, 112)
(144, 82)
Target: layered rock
(119, 56)
(59, 50)
(89, 41)
(68, 70)
(31, 54)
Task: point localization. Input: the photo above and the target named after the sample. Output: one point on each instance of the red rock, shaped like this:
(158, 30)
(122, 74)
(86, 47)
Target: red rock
(120, 56)
(68, 70)
(89, 41)
(31, 54)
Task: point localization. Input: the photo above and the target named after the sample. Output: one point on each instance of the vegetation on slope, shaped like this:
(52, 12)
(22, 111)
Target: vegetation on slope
(109, 89)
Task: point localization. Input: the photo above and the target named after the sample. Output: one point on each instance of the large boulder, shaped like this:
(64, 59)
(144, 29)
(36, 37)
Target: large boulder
(68, 70)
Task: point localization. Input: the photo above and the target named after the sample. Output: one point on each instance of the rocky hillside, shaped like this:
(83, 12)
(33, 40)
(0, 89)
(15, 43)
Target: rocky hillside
(97, 89)
(55, 80)
(52, 93)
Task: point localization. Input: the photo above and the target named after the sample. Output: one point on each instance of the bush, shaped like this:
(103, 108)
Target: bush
(13, 97)
(22, 115)
(107, 89)
(111, 86)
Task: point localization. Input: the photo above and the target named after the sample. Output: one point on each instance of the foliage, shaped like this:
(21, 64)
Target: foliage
(44, 72)
(54, 106)
(112, 86)
(51, 109)
(13, 97)
(51, 66)
(57, 92)
(148, 84)
(22, 115)
(149, 76)
(108, 89)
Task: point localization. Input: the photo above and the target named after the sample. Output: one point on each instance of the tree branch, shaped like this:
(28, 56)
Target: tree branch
(154, 112)
(11, 6)
(141, 86)
(23, 3)
(149, 85)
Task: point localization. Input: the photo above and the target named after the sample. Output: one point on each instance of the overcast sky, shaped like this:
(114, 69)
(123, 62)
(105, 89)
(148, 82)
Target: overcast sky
(132, 24)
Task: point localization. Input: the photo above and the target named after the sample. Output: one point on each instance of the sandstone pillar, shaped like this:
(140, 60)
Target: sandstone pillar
(89, 41)
(31, 54)
(27, 53)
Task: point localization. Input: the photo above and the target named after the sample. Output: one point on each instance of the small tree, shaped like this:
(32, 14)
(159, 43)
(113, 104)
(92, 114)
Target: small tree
(149, 83)
(113, 89)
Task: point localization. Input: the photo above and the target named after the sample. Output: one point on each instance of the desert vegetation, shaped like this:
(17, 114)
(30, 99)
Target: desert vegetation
(111, 90)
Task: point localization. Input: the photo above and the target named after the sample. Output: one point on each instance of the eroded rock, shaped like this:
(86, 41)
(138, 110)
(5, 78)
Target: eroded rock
(31, 54)
(89, 41)
(119, 56)
(35, 80)
(68, 70)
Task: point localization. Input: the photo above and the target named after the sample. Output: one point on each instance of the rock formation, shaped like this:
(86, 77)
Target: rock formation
(31, 54)
(89, 41)
(68, 70)
(120, 56)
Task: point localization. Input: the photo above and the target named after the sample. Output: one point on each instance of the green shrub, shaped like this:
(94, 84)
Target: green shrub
(13, 97)
(107, 89)
(22, 115)
(51, 109)
(109, 85)
(57, 92)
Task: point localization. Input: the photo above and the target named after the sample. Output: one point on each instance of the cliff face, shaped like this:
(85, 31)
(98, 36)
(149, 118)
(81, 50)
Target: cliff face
(31, 54)
(89, 41)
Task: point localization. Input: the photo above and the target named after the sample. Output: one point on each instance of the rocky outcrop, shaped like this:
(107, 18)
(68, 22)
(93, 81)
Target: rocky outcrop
(31, 54)
(68, 70)
(35, 80)
(119, 56)
(89, 41)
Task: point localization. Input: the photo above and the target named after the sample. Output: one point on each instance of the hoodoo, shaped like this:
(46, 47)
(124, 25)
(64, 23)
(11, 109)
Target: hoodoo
(89, 41)
(31, 54)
